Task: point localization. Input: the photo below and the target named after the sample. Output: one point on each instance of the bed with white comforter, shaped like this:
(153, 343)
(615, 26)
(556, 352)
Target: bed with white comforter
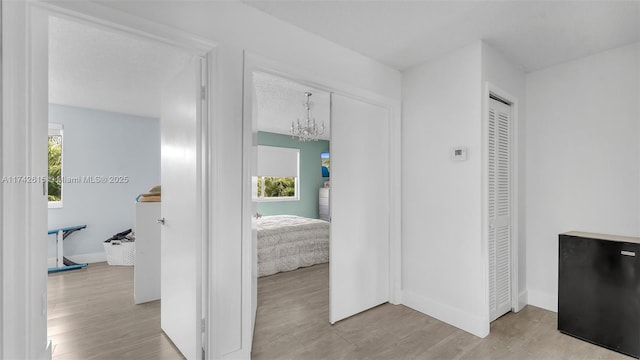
(287, 242)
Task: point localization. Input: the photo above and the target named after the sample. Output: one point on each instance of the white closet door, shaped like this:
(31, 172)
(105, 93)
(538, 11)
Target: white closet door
(499, 208)
(181, 208)
(359, 248)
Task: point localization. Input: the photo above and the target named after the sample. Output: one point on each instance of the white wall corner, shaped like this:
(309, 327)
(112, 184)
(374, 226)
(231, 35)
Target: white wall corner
(543, 300)
(397, 297)
(468, 322)
(523, 299)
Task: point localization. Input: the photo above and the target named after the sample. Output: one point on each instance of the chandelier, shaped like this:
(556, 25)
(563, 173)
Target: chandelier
(307, 129)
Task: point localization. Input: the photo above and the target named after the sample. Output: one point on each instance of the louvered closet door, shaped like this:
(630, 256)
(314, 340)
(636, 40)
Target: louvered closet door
(499, 208)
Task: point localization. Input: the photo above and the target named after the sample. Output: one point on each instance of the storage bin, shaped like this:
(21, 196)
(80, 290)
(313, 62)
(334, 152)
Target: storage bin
(120, 252)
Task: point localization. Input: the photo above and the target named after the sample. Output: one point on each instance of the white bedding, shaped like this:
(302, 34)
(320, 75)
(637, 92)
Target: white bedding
(287, 242)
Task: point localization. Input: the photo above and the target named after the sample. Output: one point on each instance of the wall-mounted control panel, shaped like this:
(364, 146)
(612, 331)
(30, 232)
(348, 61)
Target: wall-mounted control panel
(459, 153)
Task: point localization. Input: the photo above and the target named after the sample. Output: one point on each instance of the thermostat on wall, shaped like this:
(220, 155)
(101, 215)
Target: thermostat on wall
(459, 154)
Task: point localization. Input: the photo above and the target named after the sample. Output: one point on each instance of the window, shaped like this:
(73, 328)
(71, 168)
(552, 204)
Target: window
(272, 187)
(278, 174)
(54, 175)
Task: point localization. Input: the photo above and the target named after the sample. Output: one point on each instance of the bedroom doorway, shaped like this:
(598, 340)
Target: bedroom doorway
(292, 186)
(368, 208)
(117, 123)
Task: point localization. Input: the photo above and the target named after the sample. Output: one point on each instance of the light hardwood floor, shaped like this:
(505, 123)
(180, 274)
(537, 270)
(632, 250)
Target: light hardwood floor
(91, 315)
(292, 323)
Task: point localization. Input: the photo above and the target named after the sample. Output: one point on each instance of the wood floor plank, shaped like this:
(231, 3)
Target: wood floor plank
(293, 323)
(91, 315)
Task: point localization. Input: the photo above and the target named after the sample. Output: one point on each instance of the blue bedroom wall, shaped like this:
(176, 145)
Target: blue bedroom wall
(99, 143)
(310, 176)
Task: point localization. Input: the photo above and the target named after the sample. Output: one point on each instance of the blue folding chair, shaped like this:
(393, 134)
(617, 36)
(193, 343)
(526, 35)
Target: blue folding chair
(62, 263)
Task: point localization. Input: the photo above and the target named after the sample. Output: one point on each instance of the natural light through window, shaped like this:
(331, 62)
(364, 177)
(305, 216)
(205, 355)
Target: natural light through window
(54, 175)
(276, 187)
(278, 174)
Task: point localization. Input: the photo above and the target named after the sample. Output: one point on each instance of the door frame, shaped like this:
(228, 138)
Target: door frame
(257, 63)
(22, 100)
(491, 89)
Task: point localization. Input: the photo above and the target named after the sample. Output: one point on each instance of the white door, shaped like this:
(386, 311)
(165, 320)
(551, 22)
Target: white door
(499, 136)
(359, 247)
(181, 244)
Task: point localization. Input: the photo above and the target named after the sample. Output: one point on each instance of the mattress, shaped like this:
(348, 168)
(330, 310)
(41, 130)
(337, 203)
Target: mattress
(287, 242)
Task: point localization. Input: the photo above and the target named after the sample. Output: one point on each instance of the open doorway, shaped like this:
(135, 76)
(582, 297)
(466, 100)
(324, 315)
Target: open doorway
(292, 196)
(105, 98)
(292, 186)
(358, 275)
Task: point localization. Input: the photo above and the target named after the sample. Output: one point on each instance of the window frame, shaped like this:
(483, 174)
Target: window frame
(260, 177)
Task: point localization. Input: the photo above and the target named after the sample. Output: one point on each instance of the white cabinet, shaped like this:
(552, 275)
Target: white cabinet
(146, 272)
(324, 203)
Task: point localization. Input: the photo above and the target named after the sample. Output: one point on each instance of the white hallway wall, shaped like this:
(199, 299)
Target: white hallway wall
(441, 202)
(237, 28)
(579, 169)
(442, 260)
(583, 158)
(100, 143)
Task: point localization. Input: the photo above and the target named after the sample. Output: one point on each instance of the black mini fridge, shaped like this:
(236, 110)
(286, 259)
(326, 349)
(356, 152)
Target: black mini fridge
(599, 290)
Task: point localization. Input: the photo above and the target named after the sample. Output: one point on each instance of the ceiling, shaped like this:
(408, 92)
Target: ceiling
(280, 101)
(402, 34)
(93, 68)
(98, 69)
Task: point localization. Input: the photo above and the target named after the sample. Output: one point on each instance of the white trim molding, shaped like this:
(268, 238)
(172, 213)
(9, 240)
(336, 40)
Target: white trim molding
(543, 300)
(523, 300)
(2, 41)
(23, 261)
(466, 321)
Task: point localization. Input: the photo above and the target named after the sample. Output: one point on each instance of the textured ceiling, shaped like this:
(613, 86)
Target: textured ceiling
(99, 69)
(401, 34)
(94, 68)
(280, 101)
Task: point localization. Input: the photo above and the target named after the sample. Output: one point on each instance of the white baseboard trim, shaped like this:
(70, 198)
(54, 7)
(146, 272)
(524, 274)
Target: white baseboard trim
(543, 300)
(396, 297)
(523, 300)
(81, 258)
(453, 316)
(47, 353)
(237, 355)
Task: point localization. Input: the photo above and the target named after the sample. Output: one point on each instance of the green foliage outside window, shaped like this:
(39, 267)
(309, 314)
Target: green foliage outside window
(269, 187)
(55, 168)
